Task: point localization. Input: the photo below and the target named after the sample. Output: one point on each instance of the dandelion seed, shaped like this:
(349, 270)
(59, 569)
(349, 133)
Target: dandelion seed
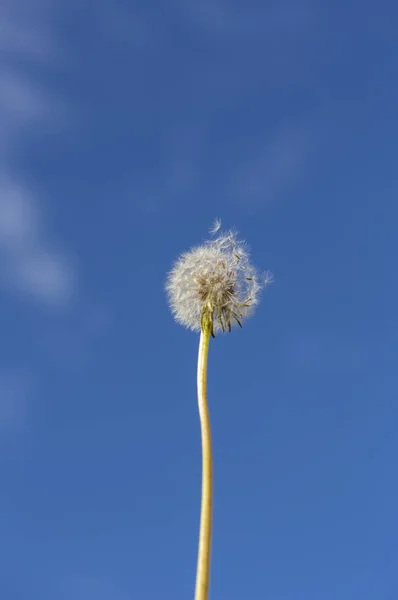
(268, 278)
(216, 226)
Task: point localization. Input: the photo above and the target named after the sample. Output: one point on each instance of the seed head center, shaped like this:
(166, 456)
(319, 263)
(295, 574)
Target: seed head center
(216, 289)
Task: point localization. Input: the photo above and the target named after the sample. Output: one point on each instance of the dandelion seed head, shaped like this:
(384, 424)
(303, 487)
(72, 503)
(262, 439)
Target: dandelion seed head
(217, 280)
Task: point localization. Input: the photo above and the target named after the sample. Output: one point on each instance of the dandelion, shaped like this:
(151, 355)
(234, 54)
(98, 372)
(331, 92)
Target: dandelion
(211, 289)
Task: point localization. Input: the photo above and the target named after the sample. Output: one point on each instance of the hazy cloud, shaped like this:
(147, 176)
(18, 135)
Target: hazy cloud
(220, 17)
(15, 390)
(29, 261)
(269, 171)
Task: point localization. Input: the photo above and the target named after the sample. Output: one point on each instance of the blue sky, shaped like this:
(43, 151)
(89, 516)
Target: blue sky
(125, 128)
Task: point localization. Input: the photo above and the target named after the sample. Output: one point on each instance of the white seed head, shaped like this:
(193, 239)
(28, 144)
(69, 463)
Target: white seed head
(215, 282)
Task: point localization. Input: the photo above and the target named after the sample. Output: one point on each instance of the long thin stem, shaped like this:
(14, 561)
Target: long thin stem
(203, 569)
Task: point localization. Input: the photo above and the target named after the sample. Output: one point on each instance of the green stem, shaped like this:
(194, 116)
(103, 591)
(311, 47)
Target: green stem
(203, 568)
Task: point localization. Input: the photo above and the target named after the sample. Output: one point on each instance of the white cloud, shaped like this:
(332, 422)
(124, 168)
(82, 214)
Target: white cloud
(32, 263)
(29, 262)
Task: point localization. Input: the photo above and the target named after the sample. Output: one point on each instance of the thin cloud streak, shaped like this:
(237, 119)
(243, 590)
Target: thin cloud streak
(272, 170)
(220, 19)
(29, 262)
(15, 390)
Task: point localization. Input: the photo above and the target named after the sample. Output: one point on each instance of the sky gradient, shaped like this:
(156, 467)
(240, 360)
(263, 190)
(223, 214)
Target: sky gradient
(125, 129)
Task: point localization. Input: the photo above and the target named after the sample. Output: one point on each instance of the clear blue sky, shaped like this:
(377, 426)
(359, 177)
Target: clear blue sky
(125, 128)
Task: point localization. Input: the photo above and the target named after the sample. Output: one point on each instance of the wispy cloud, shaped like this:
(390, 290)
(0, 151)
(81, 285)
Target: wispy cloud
(178, 176)
(32, 262)
(29, 261)
(270, 162)
(264, 171)
(25, 30)
(15, 389)
(220, 17)
(123, 26)
(271, 169)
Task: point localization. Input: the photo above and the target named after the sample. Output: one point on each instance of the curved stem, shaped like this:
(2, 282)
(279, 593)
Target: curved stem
(203, 569)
